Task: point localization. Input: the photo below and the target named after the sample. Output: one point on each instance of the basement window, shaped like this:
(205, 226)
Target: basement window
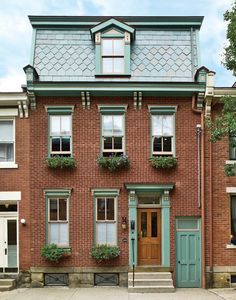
(106, 279)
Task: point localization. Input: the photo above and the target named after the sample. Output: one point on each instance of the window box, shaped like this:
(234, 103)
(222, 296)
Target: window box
(104, 252)
(230, 169)
(54, 253)
(61, 162)
(113, 162)
(163, 162)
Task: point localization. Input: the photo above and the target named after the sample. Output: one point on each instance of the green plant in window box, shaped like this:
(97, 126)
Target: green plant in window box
(230, 169)
(163, 162)
(113, 162)
(104, 252)
(61, 162)
(53, 253)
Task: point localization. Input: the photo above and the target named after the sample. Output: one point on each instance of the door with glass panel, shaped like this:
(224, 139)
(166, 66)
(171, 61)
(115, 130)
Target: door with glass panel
(149, 236)
(8, 244)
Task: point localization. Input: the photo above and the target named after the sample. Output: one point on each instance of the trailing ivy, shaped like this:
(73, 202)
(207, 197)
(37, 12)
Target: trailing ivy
(230, 169)
(104, 252)
(113, 162)
(52, 252)
(163, 162)
(61, 162)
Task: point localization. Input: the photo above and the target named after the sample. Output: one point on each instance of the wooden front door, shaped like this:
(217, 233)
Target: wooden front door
(149, 236)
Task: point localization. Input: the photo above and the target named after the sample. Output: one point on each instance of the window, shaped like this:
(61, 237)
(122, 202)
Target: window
(58, 232)
(232, 148)
(7, 141)
(112, 56)
(162, 134)
(233, 217)
(106, 220)
(112, 134)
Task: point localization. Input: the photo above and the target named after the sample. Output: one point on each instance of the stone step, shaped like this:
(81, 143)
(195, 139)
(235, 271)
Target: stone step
(4, 288)
(151, 275)
(7, 281)
(151, 282)
(151, 269)
(151, 289)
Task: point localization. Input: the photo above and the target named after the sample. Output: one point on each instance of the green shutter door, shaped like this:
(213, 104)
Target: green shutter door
(188, 258)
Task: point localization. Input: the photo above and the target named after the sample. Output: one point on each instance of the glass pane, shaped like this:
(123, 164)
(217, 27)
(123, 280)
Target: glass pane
(55, 125)
(65, 144)
(6, 131)
(143, 224)
(101, 209)
(232, 150)
(63, 234)
(157, 144)
(62, 209)
(107, 47)
(107, 125)
(110, 209)
(6, 152)
(101, 233)
(233, 217)
(107, 143)
(53, 233)
(111, 233)
(12, 243)
(167, 144)
(53, 209)
(55, 144)
(167, 125)
(118, 125)
(187, 224)
(118, 143)
(149, 200)
(65, 125)
(157, 125)
(8, 207)
(118, 47)
(107, 65)
(118, 65)
(154, 224)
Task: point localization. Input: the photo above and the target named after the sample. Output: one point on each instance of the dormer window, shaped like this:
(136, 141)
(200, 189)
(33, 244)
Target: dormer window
(112, 47)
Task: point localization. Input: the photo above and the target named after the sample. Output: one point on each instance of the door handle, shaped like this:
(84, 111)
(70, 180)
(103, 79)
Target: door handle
(178, 261)
(5, 251)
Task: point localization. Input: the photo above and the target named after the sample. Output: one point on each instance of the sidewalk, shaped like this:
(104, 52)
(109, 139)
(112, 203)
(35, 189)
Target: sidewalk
(105, 293)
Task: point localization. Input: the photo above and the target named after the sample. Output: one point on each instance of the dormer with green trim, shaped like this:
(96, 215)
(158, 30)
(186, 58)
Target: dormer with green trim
(112, 48)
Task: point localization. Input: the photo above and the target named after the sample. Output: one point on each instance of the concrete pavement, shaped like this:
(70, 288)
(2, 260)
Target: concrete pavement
(114, 293)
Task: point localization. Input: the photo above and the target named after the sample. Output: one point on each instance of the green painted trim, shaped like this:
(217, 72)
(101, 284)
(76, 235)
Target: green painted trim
(198, 48)
(133, 203)
(94, 221)
(117, 223)
(57, 192)
(159, 109)
(112, 22)
(165, 232)
(127, 59)
(98, 59)
(33, 42)
(107, 35)
(116, 75)
(60, 110)
(105, 192)
(112, 109)
(149, 187)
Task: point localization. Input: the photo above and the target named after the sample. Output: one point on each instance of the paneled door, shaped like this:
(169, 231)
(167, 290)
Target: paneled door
(149, 236)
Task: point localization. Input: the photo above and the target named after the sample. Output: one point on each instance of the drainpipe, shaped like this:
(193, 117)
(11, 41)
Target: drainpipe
(210, 217)
(201, 189)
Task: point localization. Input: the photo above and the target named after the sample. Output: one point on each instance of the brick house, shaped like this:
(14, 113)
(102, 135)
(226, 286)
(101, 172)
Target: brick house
(130, 88)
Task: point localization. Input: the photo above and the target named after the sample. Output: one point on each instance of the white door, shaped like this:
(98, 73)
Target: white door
(8, 242)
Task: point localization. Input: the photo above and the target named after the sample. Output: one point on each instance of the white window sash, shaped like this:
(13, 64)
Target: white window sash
(10, 141)
(113, 56)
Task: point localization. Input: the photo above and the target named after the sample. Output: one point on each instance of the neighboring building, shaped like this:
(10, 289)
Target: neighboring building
(130, 87)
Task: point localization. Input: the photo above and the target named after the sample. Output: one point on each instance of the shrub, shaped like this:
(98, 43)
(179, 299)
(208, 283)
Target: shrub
(163, 162)
(113, 162)
(104, 252)
(230, 170)
(52, 252)
(60, 162)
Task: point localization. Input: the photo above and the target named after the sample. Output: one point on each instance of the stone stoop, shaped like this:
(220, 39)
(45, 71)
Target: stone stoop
(7, 284)
(150, 282)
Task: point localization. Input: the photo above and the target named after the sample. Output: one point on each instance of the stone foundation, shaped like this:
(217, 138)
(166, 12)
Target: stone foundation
(220, 276)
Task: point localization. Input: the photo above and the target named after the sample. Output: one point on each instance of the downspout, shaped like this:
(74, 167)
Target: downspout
(201, 189)
(210, 216)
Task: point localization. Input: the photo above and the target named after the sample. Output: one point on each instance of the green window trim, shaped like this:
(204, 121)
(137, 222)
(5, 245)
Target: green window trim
(112, 110)
(59, 111)
(96, 193)
(163, 110)
(57, 193)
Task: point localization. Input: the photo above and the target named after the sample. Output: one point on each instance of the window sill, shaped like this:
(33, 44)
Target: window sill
(230, 246)
(8, 165)
(230, 162)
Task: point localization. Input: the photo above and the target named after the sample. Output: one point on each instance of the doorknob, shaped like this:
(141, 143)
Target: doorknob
(5, 251)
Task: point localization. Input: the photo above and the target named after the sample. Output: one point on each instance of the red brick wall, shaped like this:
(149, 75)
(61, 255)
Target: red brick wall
(87, 175)
(18, 180)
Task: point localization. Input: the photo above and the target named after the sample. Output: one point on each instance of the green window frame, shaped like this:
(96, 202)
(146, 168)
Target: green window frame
(60, 131)
(162, 130)
(232, 147)
(58, 217)
(112, 130)
(105, 226)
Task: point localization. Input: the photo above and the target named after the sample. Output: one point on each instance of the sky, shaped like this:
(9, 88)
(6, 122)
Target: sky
(16, 31)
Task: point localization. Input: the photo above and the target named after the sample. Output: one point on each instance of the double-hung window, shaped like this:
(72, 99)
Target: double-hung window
(233, 217)
(232, 148)
(162, 131)
(58, 221)
(7, 141)
(106, 220)
(112, 56)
